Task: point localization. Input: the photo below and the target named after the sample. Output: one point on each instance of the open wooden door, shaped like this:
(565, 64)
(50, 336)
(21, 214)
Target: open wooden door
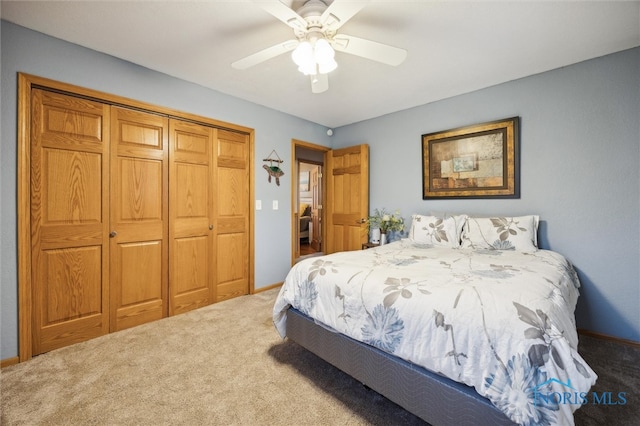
(315, 236)
(347, 203)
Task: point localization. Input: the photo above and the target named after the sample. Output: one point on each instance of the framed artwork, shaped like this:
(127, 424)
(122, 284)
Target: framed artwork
(304, 181)
(478, 161)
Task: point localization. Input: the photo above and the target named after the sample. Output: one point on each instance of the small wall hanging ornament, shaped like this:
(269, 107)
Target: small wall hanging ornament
(272, 170)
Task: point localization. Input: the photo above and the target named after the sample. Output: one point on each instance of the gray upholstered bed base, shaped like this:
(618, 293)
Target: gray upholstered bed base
(430, 396)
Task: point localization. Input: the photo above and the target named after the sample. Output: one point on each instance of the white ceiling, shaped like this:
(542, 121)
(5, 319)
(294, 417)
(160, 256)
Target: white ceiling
(453, 47)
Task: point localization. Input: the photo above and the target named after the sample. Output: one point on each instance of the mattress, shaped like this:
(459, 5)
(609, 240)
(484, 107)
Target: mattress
(501, 322)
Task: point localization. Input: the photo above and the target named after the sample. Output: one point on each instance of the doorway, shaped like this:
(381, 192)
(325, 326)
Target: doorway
(307, 196)
(309, 207)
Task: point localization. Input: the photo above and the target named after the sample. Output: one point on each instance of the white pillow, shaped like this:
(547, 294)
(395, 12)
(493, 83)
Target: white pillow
(436, 230)
(501, 233)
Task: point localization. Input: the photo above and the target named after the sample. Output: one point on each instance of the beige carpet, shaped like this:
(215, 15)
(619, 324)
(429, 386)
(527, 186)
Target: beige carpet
(220, 365)
(226, 365)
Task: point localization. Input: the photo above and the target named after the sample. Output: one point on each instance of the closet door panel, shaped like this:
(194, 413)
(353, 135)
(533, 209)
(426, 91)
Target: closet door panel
(69, 220)
(71, 194)
(232, 214)
(67, 271)
(190, 208)
(139, 218)
(136, 260)
(191, 289)
(232, 265)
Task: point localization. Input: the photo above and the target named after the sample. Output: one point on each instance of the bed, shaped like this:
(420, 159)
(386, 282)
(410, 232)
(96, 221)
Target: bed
(465, 321)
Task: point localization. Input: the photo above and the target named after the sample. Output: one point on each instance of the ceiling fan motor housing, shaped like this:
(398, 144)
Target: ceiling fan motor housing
(312, 8)
(312, 12)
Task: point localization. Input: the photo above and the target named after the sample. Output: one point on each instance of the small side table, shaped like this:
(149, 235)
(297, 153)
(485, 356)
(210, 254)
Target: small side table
(369, 245)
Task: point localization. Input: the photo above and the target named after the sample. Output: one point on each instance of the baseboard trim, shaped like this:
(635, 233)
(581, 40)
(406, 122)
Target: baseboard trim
(269, 287)
(608, 337)
(9, 361)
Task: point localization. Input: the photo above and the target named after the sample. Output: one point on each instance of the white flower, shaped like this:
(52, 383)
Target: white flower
(386, 221)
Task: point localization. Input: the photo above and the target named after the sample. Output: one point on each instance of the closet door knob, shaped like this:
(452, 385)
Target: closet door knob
(210, 227)
(112, 234)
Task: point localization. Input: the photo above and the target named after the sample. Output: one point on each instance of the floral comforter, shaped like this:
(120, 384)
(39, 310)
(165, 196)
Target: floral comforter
(500, 321)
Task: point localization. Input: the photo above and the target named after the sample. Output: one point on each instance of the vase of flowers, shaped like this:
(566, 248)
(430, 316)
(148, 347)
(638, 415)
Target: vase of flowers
(386, 222)
(383, 238)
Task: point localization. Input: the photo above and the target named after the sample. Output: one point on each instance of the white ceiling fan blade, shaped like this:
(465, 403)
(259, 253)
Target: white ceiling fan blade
(283, 13)
(265, 54)
(369, 49)
(319, 83)
(339, 12)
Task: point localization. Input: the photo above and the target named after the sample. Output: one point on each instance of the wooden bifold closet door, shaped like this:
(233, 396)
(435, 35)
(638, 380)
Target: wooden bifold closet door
(191, 212)
(231, 214)
(139, 219)
(209, 215)
(69, 219)
(134, 216)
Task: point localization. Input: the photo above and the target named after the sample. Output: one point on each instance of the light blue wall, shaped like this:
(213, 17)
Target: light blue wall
(33, 53)
(580, 161)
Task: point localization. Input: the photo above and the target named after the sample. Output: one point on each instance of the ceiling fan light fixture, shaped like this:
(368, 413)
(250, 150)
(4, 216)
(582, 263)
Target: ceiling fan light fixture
(322, 51)
(303, 54)
(313, 58)
(315, 24)
(327, 67)
(324, 56)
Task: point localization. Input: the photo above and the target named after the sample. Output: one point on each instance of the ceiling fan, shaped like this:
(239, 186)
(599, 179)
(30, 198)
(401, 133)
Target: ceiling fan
(315, 26)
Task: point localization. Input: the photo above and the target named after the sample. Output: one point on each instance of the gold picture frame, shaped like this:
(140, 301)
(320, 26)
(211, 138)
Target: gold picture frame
(478, 161)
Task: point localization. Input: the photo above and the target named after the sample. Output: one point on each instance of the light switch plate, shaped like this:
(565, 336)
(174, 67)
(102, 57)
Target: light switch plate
(258, 204)
(275, 204)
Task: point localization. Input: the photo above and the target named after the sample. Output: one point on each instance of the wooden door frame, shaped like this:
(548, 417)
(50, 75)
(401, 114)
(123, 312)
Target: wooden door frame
(296, 143)
(25, 84)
